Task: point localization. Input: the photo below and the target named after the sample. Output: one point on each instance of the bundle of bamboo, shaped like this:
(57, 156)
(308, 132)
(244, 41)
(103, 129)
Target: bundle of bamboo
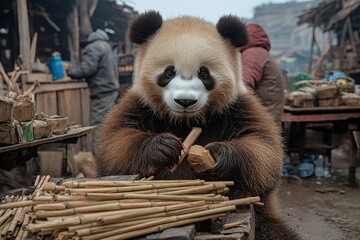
(113, 209)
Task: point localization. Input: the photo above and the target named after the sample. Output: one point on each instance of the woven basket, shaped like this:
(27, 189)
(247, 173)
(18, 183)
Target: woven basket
(345, 84)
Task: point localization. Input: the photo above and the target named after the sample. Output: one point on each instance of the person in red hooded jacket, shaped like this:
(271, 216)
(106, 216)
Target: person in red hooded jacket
(261, 74)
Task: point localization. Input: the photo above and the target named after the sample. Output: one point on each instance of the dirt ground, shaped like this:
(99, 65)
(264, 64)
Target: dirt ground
(323, 208)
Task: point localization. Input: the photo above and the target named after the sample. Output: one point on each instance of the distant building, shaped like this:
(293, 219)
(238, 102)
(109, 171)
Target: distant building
(280, 22)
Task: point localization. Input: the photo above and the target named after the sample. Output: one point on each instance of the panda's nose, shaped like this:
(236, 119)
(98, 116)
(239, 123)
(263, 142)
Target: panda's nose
(185, 102)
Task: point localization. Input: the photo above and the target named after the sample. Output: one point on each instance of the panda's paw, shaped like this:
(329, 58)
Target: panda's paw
(163, 151)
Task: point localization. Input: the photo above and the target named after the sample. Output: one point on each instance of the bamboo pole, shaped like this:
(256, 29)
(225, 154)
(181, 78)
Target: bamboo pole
(187, 198)
(155, 183)
(153, 229)
(101, 208)
(188, 142)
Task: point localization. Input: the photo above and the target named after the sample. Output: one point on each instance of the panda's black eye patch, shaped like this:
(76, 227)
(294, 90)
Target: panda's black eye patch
(168, 74)
(205, 77)
(203, 73)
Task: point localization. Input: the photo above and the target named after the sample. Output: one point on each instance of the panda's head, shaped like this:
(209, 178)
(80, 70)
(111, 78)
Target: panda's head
(186, 66)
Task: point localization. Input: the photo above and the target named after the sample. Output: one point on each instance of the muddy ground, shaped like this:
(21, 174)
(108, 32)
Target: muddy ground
(325, 209)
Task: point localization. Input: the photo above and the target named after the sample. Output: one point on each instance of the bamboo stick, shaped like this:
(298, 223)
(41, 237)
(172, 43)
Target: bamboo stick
(6, 216)
(159, 228)
(17, 204)
(101, 208)
(200, 189)
(187, 198)
(155, 183)
(146, 211)
(188, 142)
(234, 224)
(14, 221)
(37, 179)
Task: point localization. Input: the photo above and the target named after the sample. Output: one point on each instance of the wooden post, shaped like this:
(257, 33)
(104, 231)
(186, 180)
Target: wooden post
(24, 39)
(74, 38)
(85, 24)
(312, 47)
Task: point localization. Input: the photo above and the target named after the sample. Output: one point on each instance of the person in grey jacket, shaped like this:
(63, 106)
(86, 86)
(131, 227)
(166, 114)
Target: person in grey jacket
(98, 67)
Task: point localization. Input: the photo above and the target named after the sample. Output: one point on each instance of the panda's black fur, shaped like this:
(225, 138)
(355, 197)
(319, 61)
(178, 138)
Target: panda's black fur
(143, 133)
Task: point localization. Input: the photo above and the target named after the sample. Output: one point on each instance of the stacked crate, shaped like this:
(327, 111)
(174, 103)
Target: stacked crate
(18, 123)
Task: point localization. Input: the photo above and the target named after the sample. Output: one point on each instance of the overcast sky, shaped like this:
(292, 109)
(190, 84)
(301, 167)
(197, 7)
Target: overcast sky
(208, 9)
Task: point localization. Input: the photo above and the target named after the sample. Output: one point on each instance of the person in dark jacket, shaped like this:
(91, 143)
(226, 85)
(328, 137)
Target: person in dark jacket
(98, 67)
(261, 73)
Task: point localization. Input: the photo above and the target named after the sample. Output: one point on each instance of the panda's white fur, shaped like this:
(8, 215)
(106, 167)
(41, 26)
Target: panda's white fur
(143, 133)
(187, 49)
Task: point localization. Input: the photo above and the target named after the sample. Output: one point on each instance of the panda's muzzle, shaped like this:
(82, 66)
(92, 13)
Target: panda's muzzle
(185, 102)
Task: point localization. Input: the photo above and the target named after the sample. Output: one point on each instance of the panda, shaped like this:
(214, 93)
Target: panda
(187, 73)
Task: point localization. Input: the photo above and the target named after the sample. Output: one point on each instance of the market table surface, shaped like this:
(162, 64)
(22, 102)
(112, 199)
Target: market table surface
(72, 134)
(301, 118)
(320, 114)
(71, 137)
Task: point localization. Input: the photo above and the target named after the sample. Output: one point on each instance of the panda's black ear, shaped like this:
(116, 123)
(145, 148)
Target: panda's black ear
(145, 26)
(232, 28)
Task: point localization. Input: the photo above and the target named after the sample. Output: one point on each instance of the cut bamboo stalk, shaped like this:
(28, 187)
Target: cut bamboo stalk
(37, 179)
(156, 183)
(14, 221)
(96, 227)
(8, 213)
(188, 142)
(101, 208)
(51, 186)
(21, 234)
(146, 211)
(160, 228)
(200, 189)
(235, 224)
(187, 198)
(99, 217)
(17, 204)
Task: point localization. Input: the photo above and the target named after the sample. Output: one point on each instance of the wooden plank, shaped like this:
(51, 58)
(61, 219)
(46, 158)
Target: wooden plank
(288, 117)
(40, 77)
(24, 39)
(60, 86)
(51, 162)
(24, 33)
(69, 105)
(46, 102)
(75, 133)
(85, 106)
(316, 110)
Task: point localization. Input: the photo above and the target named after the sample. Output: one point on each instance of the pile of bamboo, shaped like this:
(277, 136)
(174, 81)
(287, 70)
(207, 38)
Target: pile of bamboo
(113, 209)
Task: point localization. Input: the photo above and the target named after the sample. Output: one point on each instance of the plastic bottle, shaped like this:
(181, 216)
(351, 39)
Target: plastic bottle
(319, 166)
(305, 169)
(326, 167)
(56, 67)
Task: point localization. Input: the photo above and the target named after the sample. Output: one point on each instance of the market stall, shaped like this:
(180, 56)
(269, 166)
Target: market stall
(50, 36)
(325, 100)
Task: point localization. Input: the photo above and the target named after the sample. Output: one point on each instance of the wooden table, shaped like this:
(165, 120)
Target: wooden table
(300, 118)
(70, 137)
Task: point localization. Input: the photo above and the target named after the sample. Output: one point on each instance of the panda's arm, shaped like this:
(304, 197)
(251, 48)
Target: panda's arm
(126, 146)
(252, 156)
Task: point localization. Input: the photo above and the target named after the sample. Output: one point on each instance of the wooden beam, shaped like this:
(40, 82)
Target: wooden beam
(311, 48)
(74, 36)
(85, 24)
(24, 34)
